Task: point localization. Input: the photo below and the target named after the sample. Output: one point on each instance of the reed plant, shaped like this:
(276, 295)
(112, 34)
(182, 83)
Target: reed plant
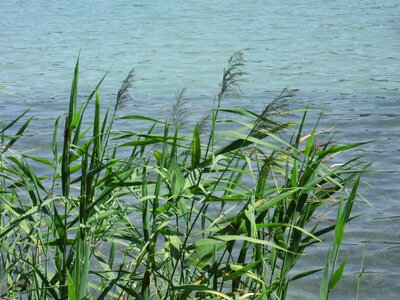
(158, 214)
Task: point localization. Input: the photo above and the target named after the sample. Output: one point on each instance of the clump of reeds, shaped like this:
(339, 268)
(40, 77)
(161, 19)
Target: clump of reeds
(158, 215)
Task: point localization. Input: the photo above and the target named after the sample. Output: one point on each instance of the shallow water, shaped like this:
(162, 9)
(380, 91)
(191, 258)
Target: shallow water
(343, 57)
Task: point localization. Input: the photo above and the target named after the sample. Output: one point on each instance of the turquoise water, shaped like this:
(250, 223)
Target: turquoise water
(344, 57)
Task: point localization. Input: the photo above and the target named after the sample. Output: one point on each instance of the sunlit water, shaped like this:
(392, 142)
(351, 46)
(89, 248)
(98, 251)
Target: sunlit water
(343, 56)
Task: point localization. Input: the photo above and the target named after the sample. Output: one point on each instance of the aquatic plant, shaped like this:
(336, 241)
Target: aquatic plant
(156, 214)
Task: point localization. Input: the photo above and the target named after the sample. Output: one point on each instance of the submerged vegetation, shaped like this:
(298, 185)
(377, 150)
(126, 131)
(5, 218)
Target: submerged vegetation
(156, 214)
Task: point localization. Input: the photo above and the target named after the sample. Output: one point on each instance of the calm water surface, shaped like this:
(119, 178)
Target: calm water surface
(343, 56)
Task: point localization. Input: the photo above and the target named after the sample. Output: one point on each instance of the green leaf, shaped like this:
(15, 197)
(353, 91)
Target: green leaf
(274, 201)
(228, 238)
(71, 288)
(17, 135)
(336, 149)
(324, 285)
(200, 288)
(139, 143)
(39, 159)
(294, 174)
(176, 178)
(157, 156)
(196, 150)
(138, 117)
(240, 270)
(9, 125)
(304, 274)
(337, 275)
(310, 143)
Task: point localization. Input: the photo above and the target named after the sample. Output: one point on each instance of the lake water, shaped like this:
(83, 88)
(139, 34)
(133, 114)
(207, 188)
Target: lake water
(343, 56)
